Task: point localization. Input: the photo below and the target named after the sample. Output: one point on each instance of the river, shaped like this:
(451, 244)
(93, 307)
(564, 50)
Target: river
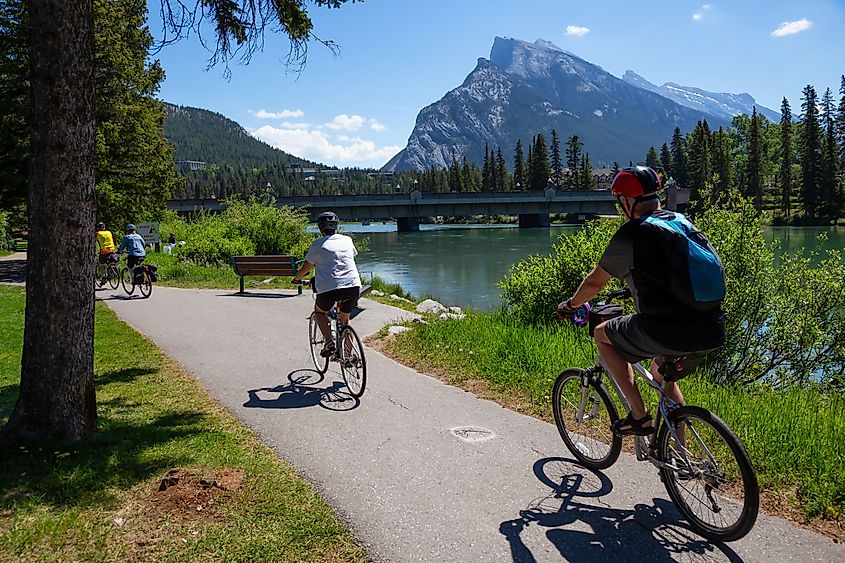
(461, 264)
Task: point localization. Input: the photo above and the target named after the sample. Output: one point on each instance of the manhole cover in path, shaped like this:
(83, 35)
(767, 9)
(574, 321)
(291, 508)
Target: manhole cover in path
(472, 433)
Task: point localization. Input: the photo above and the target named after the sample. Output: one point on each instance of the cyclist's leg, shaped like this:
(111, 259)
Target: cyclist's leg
(620, 370)
(347, 300)
(322, 303)
(673, 391)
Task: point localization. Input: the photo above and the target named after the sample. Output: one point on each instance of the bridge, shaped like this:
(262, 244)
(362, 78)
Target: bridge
(409, 209)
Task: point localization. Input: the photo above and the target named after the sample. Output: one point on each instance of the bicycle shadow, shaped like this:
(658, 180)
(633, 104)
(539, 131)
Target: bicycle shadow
(653, 533)
(258, 295)
(303, 391)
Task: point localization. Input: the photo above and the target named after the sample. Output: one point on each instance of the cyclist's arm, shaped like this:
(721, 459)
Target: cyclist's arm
(306, 267)
(591, 286)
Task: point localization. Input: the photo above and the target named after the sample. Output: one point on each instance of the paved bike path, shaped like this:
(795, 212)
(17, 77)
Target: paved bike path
(408, 487)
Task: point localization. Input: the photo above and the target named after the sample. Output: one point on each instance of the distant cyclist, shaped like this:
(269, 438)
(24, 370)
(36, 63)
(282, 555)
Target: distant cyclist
(337, 280)
(105, 244)
(134, 245)
(666, 325)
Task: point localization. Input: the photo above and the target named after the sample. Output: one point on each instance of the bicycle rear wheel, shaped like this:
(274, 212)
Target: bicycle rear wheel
(113, 276)
(353, 364)
(126, 281)
(583, 415)
(146, 286)
(317, 341)
(717, 491)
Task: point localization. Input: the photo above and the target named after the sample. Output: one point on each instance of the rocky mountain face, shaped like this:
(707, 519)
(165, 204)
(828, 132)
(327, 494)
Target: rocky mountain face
(528, 88)
(723, 105)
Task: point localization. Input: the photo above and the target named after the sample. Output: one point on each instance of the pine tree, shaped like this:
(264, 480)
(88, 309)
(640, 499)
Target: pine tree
(518, 167)
(486, 175)
(501, 170)
(755, 162)
(588, 182)
(651, 158)
(679, 159)
(455, 183)
(828, 180)
(700, 162)
(469, 177)
(665, 161)
(529, 171)
(786, 158)
(840, 124)
(722, 166)
(809, 152)
(542, 169)
(557, 171)
(14, 103)
(573, 162)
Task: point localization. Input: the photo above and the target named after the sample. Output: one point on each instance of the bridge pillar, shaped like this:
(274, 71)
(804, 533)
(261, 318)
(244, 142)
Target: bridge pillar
(529, 220)
(407, 224)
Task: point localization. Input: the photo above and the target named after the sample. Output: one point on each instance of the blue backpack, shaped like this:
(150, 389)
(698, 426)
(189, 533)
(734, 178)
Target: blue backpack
(697, 274)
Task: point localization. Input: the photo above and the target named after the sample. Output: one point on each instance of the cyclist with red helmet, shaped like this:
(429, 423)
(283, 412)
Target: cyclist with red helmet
(665, 325)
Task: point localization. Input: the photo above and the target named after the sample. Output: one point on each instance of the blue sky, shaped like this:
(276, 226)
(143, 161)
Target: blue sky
(397, 56)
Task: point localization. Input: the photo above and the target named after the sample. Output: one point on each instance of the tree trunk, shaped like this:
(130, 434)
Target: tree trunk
(57, 396)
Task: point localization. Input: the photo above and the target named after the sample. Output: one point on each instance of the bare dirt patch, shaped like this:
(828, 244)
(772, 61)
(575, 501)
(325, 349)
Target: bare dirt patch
(781, 503)
(194, 494)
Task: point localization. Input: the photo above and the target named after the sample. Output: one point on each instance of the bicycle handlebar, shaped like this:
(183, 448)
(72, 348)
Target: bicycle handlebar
(624, 293)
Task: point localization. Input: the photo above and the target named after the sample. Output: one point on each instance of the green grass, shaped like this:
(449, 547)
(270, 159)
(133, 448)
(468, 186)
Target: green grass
(5, 252)
(63, 501)
(794, 437)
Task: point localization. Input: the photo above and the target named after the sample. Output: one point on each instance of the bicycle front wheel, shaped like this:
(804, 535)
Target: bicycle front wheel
(316, 342)
(583, 415)
(353, 364)
(126, 281)
(715, 487)
(113, 275)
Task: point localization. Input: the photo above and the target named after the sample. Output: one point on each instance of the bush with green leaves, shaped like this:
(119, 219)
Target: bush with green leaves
(244, 228)
(532, 288)
(6, 240)
(784, 317)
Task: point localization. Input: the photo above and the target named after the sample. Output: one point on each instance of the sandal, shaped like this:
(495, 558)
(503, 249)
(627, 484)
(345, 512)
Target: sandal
(328, 350)
(630, 426)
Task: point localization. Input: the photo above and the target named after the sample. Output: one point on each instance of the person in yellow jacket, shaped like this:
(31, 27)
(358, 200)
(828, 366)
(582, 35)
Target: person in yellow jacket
(105, 242)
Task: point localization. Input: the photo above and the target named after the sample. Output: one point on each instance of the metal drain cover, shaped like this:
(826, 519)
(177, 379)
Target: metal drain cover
(472, 433)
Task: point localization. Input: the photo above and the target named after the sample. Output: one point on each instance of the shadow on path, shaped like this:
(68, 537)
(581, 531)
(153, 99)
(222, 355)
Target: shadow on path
(12, 271)
(302, 391)
(258, 295)
(644, 533)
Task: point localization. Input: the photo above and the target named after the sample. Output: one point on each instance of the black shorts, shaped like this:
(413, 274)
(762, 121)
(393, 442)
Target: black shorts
(345, 297)
(108, 258)
(634, 344)
(132, 261)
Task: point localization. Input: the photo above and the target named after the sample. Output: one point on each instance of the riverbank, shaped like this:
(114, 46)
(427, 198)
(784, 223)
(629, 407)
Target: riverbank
(101, 499)
(793, 437)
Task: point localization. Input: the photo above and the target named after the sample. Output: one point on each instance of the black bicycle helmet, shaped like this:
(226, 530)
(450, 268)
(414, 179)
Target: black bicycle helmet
(327, 221)
(638, 182)
(101, 226)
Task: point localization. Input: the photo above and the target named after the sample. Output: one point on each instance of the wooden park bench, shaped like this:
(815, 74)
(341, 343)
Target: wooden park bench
(268, 265)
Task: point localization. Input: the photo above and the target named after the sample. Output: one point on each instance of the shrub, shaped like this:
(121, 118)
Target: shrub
(6, 240)
(533, 287)
(243, 228)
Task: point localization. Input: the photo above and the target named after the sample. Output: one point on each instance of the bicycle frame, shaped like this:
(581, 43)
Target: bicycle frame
(642, 448)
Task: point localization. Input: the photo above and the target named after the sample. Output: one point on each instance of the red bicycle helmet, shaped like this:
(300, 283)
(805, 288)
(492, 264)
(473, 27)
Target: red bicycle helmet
(638, 182)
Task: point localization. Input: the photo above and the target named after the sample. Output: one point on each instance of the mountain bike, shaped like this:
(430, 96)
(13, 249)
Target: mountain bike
(137, 276)
(348, 349)
(701, 462)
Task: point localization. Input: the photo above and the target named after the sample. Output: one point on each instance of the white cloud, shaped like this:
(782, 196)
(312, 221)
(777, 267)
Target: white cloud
(376, 126)
(314, 144)
(699, 15)
(289, 125)
(791, 28)
(577, 30)
(346, 122)
(284, 114)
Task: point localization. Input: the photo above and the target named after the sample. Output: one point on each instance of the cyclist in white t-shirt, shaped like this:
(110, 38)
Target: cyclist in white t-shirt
(337, 280)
